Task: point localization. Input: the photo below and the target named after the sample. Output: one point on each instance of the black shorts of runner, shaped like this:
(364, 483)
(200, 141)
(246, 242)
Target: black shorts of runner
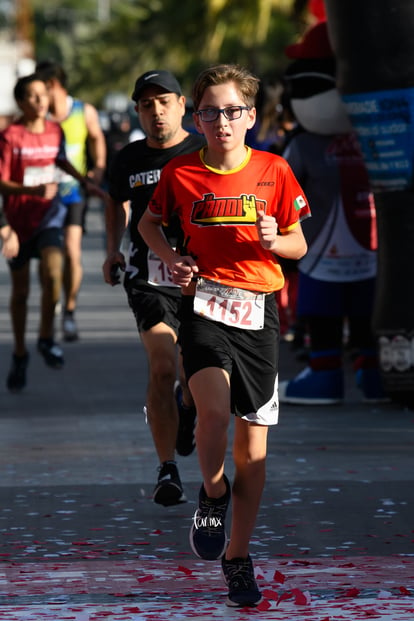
(151, 306)
(250, 357)
(30, 249)
(76, 214)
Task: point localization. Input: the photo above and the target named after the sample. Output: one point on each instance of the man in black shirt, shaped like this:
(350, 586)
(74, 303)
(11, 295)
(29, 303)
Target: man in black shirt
(152, 296)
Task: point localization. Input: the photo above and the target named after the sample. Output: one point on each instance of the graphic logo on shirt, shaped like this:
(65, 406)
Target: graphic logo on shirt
(299, 202)
(144, 178)
(212, 210)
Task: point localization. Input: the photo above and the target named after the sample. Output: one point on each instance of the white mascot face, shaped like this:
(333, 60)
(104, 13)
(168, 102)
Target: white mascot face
(311, 82)
(323, 113)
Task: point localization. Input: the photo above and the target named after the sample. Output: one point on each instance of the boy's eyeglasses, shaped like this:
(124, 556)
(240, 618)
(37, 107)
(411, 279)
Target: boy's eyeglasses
(231, 113)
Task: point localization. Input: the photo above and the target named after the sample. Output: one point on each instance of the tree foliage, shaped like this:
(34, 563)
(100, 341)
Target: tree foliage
(106, 52)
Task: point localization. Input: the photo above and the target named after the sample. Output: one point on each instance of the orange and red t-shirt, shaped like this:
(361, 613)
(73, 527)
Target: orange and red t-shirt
(218, 212)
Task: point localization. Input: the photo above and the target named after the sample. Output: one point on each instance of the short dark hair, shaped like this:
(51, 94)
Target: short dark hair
(50, 69)
(21, 85)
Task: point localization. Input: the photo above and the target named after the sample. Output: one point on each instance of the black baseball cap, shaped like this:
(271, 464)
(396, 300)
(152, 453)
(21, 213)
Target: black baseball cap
(164, 79)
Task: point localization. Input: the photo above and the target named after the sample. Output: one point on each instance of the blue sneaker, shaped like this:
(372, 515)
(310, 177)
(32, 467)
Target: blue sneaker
(313, 388)
(208, 537)
(369, 381)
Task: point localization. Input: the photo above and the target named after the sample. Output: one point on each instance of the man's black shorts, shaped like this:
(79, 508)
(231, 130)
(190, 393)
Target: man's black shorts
(151, 306)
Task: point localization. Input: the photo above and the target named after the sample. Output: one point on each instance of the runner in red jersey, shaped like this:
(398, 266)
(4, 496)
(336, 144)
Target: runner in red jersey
(218, 224)
(239, 209)
(30, 159)
(31, 151)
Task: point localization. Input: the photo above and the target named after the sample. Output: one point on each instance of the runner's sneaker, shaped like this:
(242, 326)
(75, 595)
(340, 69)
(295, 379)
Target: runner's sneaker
(208, 537)
(51, 352)
(185, 444)
(169, 490)
(16, 379)
(69, 328)
(239, 577)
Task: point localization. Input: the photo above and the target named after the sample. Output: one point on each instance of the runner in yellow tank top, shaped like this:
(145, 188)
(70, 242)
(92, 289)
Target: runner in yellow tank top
(76, 136)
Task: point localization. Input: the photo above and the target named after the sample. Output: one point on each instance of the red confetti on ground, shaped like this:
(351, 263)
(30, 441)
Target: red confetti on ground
(269, 594)
(146, 578)
(264, 605)
(279, 577)
(284, 596)
(351, 593)
(302, 598)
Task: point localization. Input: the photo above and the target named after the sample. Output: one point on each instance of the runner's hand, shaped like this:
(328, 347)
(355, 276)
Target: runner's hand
(183, 269)
(112, 263)
(267, 230)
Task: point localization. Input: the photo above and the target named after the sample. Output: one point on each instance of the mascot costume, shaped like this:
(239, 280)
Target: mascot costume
(338, 274)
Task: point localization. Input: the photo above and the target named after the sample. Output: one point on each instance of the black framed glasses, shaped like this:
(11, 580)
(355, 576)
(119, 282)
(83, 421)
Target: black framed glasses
(231, 113)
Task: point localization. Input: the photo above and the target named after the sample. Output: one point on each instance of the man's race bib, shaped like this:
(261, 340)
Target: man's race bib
(159, 274)
(234, 307)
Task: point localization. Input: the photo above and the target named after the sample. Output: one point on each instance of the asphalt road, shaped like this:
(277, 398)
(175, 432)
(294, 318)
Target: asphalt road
(81, 539)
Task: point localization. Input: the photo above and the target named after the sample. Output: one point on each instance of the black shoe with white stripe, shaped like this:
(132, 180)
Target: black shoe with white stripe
(51, 352)
(168, 490)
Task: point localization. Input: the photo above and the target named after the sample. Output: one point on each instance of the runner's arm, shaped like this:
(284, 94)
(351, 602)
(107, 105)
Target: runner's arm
(291, 244)
(116, 222)
(96, 144)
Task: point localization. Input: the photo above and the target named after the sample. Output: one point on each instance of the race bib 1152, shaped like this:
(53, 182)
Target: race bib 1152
(234, 307)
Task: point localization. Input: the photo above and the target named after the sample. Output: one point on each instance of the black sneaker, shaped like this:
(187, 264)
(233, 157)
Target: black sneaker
(51, 352)
(169, 490)
(185, 443)
(16, 379)
(239, 577)
(208, 537)
(69, 328)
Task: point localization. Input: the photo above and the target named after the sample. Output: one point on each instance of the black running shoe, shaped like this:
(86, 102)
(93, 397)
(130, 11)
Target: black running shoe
(185, 443)
(16, 379)
(239, 577)
(169, 490)
(208, 537)
(51, 352)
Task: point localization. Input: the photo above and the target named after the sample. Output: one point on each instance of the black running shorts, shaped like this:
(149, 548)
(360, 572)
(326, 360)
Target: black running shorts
(31, 249)
(251, 358)
(151, 306)
(76, 214)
